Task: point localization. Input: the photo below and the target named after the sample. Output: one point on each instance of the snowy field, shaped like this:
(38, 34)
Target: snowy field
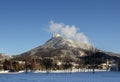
(62, 77)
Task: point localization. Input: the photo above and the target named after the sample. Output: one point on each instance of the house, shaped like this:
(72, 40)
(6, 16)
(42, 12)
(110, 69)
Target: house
(110, 65)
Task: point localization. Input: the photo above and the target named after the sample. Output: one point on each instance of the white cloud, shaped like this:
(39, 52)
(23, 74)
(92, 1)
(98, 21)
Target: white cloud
(71, 32)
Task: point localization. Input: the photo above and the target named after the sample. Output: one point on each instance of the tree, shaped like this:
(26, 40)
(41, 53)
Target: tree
(81, 63)
(67, 63)
(7, 65)
(1, 65)
(27, 60)
(48, 63)
(93, 52)
(16, 66)
(118, 60)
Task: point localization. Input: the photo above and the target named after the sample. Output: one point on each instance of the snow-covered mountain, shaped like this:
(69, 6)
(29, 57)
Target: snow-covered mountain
(61, 49)
(58, 41)
(59, 45)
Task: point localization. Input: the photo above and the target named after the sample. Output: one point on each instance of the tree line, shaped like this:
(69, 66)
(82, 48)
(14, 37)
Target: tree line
(48, 63)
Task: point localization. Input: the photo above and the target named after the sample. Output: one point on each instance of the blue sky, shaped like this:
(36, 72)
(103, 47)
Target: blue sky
(23, 23)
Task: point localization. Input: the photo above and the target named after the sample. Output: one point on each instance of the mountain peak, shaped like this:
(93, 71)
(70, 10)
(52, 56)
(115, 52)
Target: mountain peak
(60, 44)
(56, 35)
(58, 41)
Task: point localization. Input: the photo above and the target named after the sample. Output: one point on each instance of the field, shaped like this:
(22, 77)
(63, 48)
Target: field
(62, 77)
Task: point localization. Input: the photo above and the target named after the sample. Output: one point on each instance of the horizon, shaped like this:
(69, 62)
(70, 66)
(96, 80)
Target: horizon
(27, 24)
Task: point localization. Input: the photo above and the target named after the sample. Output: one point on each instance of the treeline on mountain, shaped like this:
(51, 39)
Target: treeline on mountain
(51, 61)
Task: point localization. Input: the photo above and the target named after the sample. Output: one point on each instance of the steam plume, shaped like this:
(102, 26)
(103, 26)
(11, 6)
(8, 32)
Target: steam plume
(68, 31)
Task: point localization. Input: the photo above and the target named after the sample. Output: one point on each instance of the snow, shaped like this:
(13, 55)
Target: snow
(7, 72)
(56, 35)
(62, 77)
(1, 72)
(69, 40)
(69, 71)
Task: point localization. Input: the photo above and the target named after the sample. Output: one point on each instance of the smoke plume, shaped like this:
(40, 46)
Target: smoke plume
(68, 31)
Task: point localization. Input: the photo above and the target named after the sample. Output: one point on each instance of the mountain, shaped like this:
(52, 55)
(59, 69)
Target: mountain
(60, 52)
(3, 56)
(113, 54)
(60, 46)
(59, 41)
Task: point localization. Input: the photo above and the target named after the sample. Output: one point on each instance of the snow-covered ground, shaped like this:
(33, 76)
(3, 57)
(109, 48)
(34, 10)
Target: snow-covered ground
(69, 71)
(7, 72)
(62, 77)
(53, 71)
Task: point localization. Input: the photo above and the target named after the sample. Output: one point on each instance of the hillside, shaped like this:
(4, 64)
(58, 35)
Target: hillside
(3, 56)
(60, 46)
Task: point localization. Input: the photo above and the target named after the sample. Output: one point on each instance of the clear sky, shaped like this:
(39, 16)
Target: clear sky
(23, 23)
